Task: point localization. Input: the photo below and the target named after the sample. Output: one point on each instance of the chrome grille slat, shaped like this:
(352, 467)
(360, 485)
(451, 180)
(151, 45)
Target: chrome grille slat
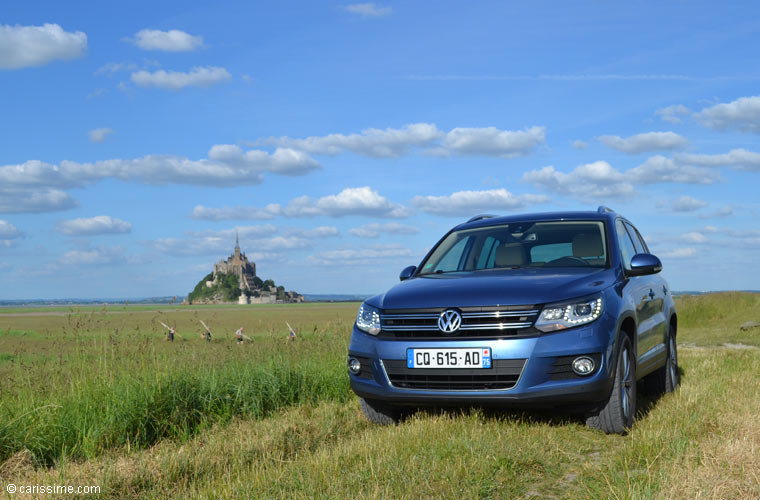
(489, 321)
(428, 328)
(496, 326)
(500, 314)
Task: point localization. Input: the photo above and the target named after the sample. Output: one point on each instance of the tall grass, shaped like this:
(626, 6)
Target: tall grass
(79, 385)
(139, 410)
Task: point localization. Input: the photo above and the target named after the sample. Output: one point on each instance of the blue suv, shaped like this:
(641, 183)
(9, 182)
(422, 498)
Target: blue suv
(561, 310)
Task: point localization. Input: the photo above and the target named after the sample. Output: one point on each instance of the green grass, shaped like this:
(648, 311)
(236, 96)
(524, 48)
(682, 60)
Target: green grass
(106, 401)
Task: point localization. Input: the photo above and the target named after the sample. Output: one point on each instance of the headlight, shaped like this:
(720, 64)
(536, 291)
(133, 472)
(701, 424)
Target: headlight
(569, 314)
(368, 319)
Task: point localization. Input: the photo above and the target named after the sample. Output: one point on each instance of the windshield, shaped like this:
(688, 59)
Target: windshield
(524, 244)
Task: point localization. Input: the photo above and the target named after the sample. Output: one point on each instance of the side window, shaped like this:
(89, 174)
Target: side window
(637, 242)
(626, 245)
(641, 239)
(487, 253)
(453, 258)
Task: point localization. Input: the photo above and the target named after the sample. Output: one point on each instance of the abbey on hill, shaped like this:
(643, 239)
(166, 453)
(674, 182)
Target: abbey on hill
(235, 280)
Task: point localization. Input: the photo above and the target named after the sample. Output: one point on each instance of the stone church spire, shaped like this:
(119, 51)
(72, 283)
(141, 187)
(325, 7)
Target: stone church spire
(237, 244)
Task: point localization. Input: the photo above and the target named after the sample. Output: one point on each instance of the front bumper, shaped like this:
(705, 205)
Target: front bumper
(536, 387)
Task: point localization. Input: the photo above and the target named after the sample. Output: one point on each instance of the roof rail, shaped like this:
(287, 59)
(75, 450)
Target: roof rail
(482, 216)
(602, 209)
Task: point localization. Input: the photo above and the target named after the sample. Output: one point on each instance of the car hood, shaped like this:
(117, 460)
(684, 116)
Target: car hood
(492, 288)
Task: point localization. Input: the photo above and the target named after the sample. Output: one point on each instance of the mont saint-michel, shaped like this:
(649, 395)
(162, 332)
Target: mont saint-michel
(234, 280)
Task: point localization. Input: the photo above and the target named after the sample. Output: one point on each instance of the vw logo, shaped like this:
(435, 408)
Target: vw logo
(449, 322)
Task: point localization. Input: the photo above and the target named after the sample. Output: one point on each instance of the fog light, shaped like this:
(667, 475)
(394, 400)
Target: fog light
(354, 366)
(583, 365)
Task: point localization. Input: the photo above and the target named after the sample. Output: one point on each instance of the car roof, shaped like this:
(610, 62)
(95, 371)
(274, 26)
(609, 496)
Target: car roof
(489, 220)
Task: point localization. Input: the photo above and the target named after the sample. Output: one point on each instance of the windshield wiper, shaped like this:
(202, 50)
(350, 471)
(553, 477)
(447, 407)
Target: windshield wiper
(440, 271)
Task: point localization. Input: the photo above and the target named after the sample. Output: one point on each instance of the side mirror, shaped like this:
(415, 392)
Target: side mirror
(643, 264)
(407, 273)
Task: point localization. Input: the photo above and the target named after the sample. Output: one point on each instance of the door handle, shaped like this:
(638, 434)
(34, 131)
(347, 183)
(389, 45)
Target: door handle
(651, 293)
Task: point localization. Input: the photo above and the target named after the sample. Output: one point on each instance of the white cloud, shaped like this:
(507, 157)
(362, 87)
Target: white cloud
(114, 67)
(36, 200)
(490, 141)
(169, 41)
(368, 10)
(100, 224)
(283, 161)
(316, 232)
(741, 114)
(687, 204)
(375, 229)
(100, 134)
(359, 256)
(739, 159)
(100, 255)
(661, 169)
(35, 186)
(350, 201)
(678, 253)
(725, 211)
(463, 203)
(579, 144)
(229, 235)
(160, 169)
(24, 46)
(201, 212)
(8, 232)
(673, 114)
(375, 143)
(393, 143)
(641, 143)
(587, 182)
(176, 80)
(216, 245)
(693, 237)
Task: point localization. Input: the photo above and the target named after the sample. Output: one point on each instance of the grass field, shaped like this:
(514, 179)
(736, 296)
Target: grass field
(96, 397)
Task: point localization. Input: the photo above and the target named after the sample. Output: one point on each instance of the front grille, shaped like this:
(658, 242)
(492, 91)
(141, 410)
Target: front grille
(503, 374)
(484, 322)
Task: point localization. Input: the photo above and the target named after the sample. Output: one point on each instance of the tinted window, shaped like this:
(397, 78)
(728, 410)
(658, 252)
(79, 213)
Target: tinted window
(452, 259)
(546, 253)
(487, 253)
(637, 242)
(626, 244)
(523, 244)
(641, 239)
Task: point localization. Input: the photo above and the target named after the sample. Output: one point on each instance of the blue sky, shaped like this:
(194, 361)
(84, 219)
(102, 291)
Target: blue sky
(341, 140)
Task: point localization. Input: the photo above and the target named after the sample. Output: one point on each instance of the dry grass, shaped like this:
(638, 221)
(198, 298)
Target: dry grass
(700, 442)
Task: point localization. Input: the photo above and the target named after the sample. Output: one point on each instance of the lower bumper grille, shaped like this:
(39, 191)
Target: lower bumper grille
(503, 374)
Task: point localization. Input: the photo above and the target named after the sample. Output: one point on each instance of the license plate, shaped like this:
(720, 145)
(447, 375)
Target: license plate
(479, 357)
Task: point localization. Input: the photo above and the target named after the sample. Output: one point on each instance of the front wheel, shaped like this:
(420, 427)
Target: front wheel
(672, 377)
(616, 417)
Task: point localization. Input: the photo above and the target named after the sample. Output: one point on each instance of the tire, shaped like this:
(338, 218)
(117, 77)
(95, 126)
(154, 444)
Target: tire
(666, 378)
(672, 376)
(616, 417)
(379, 414)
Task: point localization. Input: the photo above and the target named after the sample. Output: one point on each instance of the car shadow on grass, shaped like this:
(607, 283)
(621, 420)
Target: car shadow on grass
(646, 400)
